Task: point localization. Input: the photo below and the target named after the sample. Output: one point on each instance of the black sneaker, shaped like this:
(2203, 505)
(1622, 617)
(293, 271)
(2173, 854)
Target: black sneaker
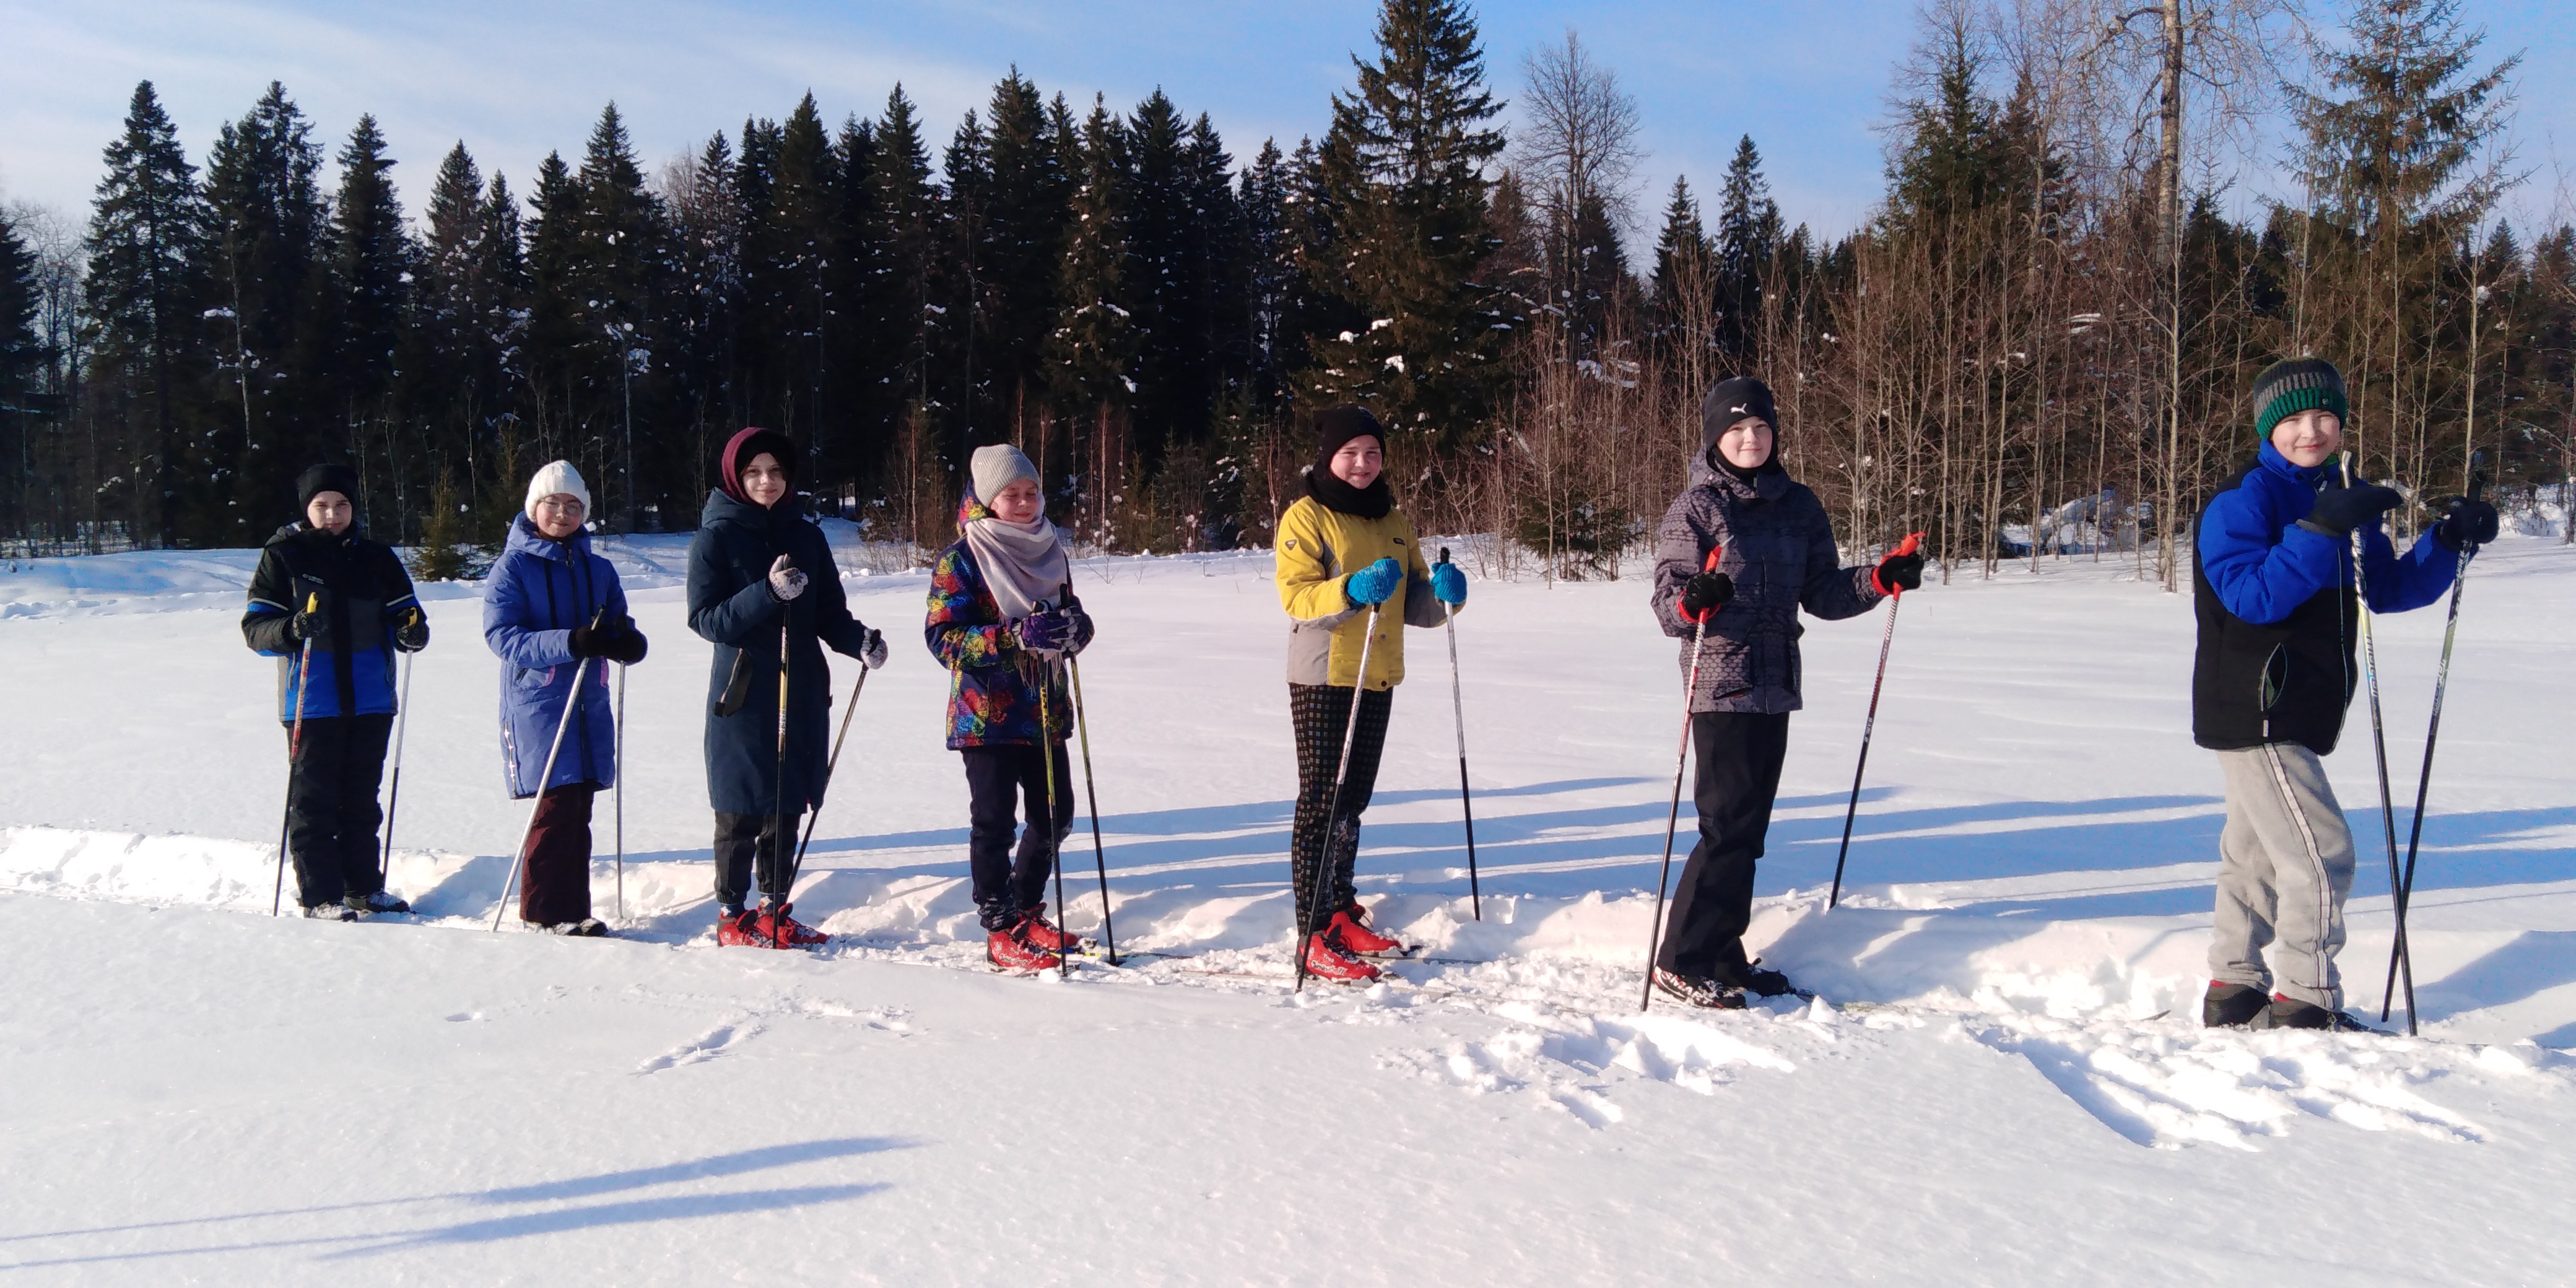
(379, 902)
(330, 912)
(1752, 978)
(2291, 1013)
(1699, 991)
(2231, 1006)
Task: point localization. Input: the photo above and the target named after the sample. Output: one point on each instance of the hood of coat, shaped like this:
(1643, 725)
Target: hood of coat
(525, 539)
(1768, 483)
(722, 508)
(969, 510)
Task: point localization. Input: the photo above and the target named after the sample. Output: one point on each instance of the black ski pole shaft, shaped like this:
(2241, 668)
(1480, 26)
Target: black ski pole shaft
(537, 802)
(1673, 822)
(2379, 750)
(2424, 778)
(1307, 925)
(1466, 801)
(1091, 792)
(830, 767)
(620, 800)
(1869, 725)
(1054, 835)
(294, 748)
(393, 793)
(778, 816)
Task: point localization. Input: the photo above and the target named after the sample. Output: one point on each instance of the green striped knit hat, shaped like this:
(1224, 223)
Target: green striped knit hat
(2294, 385)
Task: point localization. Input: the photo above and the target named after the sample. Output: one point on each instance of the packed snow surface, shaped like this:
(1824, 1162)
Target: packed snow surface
(2003, 1080)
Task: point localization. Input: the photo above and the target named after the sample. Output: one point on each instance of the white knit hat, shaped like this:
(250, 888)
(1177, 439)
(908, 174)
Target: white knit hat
(996, 467)
(557, 477)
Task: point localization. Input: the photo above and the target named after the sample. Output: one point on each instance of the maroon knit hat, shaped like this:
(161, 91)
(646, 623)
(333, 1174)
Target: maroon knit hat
(747, 447)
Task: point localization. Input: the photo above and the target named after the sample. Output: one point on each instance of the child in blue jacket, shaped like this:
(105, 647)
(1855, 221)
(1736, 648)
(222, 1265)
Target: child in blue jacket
(550, 609)
(2274, 671)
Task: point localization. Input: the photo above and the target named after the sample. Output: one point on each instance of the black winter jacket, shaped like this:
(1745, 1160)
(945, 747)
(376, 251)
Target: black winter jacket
(1779, 549)
(367, 587)
(730, 606)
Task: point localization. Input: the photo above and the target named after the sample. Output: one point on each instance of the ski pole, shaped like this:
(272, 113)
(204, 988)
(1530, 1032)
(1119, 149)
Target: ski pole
(2379, 748)
(294, 748)
(2424, 780)
(1895, 599)
(1672, 825)
(828, 767)
(1466, 803)
(393, 793)
(778, 818)
(1091, 790)
(620, 798)
(1332, 817)
(1055, 840)
(538, 801)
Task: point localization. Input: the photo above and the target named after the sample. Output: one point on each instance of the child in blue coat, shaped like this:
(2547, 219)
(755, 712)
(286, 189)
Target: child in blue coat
(2274, 589)
(549, 609)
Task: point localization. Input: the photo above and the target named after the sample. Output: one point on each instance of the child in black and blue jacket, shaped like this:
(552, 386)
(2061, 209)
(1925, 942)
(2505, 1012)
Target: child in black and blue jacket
(2275, 594)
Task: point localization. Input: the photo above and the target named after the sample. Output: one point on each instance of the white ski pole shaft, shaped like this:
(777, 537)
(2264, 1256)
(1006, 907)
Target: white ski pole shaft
(572, 703)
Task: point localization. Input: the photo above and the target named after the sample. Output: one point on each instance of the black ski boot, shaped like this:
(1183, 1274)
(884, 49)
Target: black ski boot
(379, 903)
(1752, 978)
(330, 912)
(2231, 1006)
(1699, 991)
(2291, 1013)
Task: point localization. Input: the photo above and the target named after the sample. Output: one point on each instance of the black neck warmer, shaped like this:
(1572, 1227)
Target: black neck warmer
(1329, 491)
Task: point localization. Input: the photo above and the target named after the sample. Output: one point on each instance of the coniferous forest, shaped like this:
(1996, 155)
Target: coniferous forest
(2038, 344)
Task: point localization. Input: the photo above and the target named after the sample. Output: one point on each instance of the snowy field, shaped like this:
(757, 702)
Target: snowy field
(2004, 1081)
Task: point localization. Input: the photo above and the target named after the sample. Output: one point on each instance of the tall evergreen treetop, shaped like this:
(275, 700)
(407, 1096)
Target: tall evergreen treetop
(372, 258)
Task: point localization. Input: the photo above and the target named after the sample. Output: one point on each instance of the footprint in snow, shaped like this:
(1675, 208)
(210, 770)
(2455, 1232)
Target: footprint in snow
(706, 1046)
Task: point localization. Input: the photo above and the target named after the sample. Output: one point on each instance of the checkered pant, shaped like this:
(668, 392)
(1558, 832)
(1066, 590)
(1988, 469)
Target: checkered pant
(1321, 714)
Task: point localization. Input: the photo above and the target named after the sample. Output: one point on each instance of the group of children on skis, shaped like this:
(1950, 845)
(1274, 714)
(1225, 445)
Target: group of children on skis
(2274, 587)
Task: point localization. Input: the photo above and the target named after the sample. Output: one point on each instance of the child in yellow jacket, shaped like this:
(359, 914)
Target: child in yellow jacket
(1346, 558)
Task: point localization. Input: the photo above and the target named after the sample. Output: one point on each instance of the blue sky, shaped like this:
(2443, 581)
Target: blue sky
(1808, 79)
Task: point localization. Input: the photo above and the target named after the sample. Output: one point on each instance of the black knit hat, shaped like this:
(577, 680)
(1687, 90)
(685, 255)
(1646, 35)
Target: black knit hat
(2294, 385)
(1335, 426)
(1731, 400)
(326, 478)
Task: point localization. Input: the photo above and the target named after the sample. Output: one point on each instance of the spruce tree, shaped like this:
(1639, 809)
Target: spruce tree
(620, 244)
(147, 284)
(906, 204)
(271, 264)
(21, 353)
(1156, 201)
(1404, 166)
(1092, 356)
(370, 279)
(1017, 239)
(1748, 235)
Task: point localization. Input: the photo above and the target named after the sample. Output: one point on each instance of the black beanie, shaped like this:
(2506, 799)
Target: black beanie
(1731, 400)
(1335, 426)
(326, 478)
(2294, 385)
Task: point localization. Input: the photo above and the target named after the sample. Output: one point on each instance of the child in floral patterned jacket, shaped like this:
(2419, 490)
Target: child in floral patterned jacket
(1002, 618)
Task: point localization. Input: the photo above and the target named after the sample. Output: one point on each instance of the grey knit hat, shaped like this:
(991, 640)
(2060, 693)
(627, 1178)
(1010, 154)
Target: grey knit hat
(2294, 385)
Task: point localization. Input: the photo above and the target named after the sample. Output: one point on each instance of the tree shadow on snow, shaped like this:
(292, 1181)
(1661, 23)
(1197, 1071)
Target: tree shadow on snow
(524, 1224)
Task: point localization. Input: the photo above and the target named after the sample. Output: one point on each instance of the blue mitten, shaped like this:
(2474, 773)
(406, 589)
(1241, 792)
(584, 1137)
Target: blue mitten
(1372, 585)
(1448, 584)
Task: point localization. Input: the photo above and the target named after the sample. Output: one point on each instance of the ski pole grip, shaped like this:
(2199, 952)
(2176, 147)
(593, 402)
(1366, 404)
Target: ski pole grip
(1913, 542)
(1707, 565)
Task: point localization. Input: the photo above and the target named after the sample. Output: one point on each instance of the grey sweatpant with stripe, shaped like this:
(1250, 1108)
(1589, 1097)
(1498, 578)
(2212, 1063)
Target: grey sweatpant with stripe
(2284, 867)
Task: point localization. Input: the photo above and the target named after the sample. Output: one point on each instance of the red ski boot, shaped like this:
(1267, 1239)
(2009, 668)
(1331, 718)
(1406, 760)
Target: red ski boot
(1042, 933)
(1359, 940)
(778, 930)
(1012, 950)
(741, 930)
(1325, 959)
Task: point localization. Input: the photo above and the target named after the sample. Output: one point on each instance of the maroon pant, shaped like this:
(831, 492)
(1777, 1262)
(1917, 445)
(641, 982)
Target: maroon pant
(556, 886)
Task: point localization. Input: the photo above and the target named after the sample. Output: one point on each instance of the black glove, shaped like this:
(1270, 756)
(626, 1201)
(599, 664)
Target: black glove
(1898, 572)
(313, 620)
(625, 645)
(1706, 591)
(2341, 508)
(411, 630)
(2469, 522)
